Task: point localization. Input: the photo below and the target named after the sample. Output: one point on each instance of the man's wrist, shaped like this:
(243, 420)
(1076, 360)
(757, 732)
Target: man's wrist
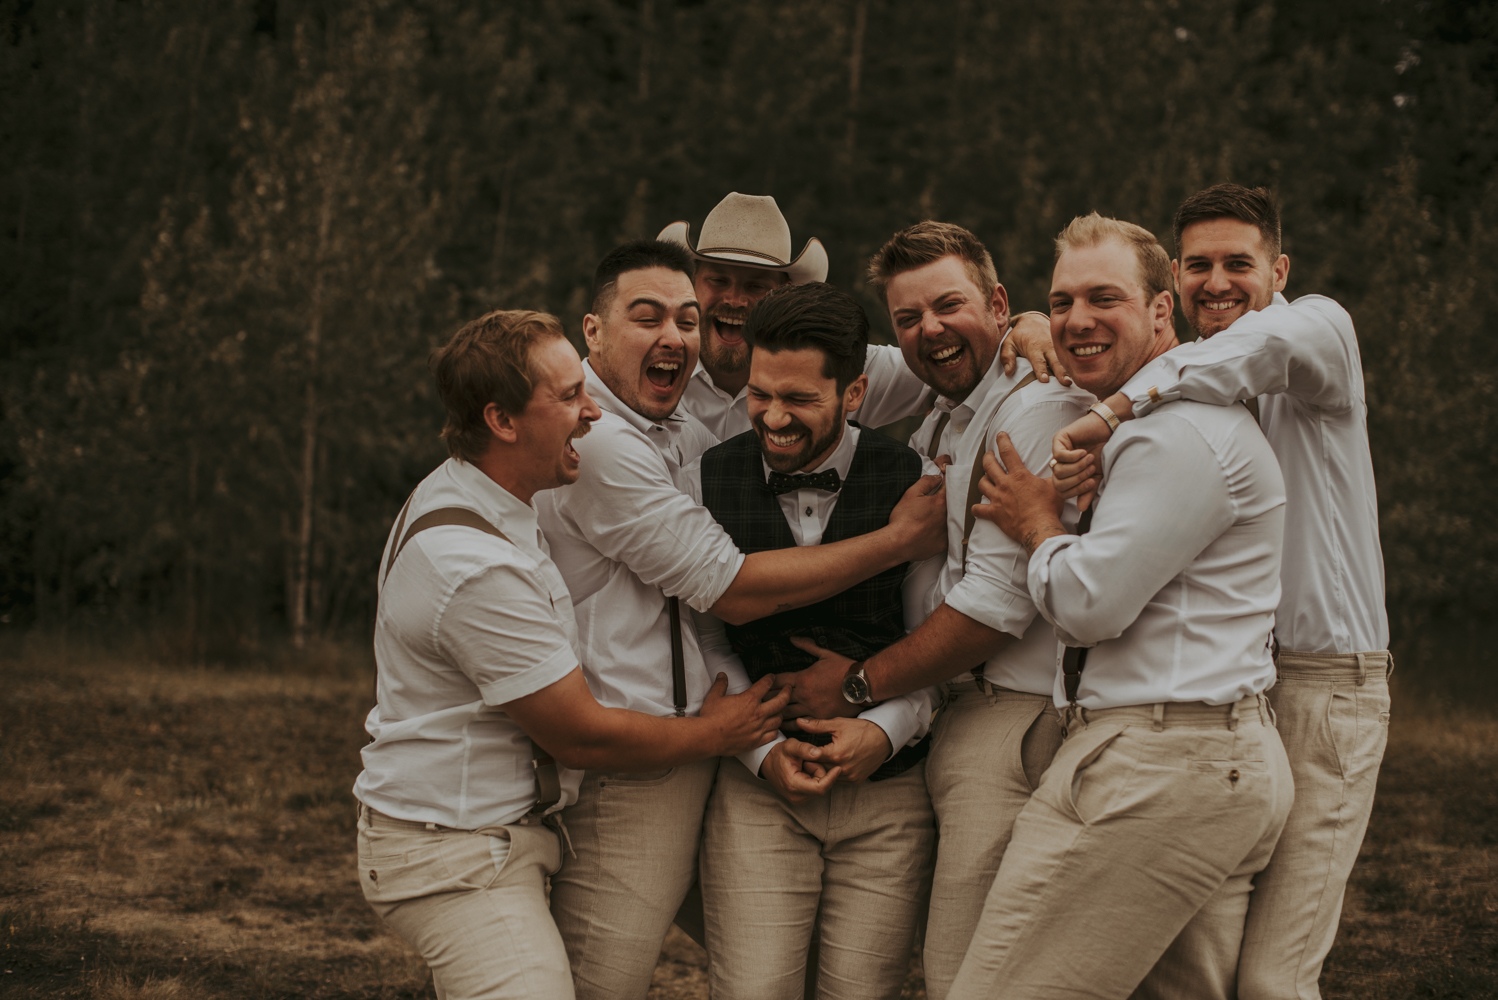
(1121, 405)
(1033, 535)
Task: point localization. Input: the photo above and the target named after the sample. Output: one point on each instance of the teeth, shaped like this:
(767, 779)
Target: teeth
(784, 440)
(945, 352)
(724, 320)
(668, 366)
(1084, 352)
(1218, 306)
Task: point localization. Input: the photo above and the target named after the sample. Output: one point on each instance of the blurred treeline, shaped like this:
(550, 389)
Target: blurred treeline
(230, 233)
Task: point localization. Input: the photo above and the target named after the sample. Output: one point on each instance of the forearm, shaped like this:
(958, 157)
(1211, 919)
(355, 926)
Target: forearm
(617, 739)
(771, 582)
(947, 644)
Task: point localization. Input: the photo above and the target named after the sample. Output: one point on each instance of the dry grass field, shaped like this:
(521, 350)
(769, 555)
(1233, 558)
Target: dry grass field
(184, 833)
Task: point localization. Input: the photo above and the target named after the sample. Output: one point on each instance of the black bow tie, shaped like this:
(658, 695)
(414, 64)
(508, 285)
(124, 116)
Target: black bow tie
(827, 480)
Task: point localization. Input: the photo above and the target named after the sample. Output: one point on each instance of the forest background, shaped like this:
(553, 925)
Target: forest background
(231, 232)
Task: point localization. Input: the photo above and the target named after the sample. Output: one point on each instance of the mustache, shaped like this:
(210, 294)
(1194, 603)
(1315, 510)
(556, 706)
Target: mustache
(794, 427)
(727, 312)
(582, 429)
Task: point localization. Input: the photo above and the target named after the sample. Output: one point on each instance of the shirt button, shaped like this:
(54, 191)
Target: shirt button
(808, 512)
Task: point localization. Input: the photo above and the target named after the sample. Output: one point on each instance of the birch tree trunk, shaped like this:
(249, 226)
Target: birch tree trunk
(300, 619)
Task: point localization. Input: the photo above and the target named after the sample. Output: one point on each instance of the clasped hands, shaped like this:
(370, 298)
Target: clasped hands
(800, 770)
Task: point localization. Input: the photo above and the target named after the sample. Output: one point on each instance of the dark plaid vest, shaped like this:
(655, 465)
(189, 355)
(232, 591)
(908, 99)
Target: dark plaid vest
(858, 622)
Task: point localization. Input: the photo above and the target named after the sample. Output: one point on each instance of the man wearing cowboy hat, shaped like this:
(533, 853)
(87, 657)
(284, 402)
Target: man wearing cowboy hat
(742, 254)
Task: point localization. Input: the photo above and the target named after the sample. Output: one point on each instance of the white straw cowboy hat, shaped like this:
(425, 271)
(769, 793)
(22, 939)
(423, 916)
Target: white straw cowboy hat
(749, 229)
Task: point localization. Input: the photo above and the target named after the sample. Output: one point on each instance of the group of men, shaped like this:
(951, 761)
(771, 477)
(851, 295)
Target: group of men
(1089, 681)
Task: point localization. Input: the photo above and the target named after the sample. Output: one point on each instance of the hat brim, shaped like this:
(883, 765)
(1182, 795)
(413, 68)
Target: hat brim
(810, 264)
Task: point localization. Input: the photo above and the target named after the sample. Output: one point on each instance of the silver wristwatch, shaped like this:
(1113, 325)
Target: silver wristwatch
(856, 685)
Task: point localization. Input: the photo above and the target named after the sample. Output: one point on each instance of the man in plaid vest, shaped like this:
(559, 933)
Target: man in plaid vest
(837, 809)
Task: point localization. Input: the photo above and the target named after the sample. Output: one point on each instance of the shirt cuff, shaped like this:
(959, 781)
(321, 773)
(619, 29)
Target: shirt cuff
(898, 718)
(754, 759)
(989, 603)
(729, 562)
(530, 680)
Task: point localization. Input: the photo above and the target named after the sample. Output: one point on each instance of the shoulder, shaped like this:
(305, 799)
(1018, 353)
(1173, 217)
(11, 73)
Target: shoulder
(882, 444)
(736, 446)
(1053, 393)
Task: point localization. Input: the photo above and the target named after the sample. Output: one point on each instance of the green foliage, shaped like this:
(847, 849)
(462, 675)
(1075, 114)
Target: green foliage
(230, 233)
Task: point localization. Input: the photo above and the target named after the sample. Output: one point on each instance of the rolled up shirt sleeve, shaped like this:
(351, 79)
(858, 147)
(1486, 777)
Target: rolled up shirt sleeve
(1166, 500)
(627, 507)
(500, 629)
(993, 590)
(1307, 349)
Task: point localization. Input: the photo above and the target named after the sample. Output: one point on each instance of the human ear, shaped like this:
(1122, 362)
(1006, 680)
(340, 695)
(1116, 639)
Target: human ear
(1175, 274)
(1281, 273)
(592, 331)
(999, 302)
(501, 424)
(853, 396)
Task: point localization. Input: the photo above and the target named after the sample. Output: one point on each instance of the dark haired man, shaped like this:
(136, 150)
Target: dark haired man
(633, 547)
(997, 730)
(744, 252)
(1298, 364)
(1172, 786)
(475, 652)
(855, 842)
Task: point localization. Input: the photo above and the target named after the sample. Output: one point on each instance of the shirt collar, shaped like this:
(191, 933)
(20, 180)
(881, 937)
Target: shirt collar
(496, 504)
(701, 374)
(606, 400)
(841, 458)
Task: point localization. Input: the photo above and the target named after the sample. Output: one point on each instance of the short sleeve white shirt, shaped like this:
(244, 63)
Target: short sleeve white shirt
(466, 622)
(992, 588)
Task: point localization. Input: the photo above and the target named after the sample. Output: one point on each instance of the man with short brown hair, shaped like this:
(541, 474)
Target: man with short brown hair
(476, 657)
(633, 548)
(997, 731)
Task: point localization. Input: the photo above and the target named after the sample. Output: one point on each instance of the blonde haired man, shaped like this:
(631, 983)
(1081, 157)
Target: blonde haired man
(1300, 366)
(1172, 787)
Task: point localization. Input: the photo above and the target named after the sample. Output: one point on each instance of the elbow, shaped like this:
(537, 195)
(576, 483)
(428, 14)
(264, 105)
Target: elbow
(735, 610)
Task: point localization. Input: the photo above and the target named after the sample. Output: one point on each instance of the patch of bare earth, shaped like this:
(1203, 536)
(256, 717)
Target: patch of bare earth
(175, 833)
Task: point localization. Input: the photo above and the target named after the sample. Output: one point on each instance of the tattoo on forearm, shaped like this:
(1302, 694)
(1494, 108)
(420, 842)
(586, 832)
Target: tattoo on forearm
(783, 607)
(1031, 540)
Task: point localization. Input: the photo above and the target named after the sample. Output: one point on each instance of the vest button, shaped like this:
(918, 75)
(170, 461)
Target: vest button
(808, 512)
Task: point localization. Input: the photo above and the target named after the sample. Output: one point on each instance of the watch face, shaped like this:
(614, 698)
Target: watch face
(855, 688)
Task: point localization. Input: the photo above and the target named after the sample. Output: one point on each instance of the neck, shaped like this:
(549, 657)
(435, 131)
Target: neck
(1165, 340)
(730, 382)
(492, 464)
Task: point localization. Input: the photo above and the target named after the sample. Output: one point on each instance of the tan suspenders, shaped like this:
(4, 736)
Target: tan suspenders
(548, 781)
(974, 493)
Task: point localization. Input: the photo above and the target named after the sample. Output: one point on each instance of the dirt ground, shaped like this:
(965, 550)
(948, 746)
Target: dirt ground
(184, 833)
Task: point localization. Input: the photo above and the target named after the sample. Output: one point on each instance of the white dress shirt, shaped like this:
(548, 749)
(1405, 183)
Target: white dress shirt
(905, 720)
(1176, 584)
(1302, 361)
(993, 589)
(894, 392)
(626, 536)
(466, 623)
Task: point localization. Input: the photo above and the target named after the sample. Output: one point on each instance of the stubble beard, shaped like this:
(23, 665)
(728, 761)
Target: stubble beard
(816, 446)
